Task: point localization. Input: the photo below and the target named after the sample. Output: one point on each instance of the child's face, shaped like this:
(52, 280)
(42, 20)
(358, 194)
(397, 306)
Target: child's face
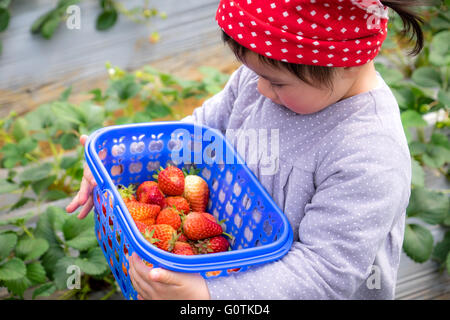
(284, 88)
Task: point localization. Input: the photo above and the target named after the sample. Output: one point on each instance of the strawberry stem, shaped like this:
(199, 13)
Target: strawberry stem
(228, 235)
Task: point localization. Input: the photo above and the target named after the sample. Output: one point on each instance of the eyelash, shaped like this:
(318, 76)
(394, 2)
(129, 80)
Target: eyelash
(276, 85)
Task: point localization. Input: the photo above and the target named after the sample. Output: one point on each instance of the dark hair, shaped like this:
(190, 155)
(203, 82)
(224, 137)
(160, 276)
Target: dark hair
(322, 76)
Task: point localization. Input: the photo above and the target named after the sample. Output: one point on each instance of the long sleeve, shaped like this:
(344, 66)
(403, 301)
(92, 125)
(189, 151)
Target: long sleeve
(362, 186)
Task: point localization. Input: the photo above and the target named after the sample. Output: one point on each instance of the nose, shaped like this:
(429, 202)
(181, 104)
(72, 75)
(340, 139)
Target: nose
(266, 90)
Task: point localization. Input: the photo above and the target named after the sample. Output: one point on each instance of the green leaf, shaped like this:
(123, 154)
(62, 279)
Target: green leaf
(428, 205)
(18, 286)
(92, 263)
(20, 130)
(36, 273)
(418, 175)
(418, 242)
(125, 88)
(440, 139)
(31, 248)
(80, 234)
(7, 243)
(106, 19)
(12, 269)
(390, 75)
(442, 248)
(54, 195)
(436, 156)
(157, 110)
(65, 94)
(36, 173)
(439, 52)
(69, 141)
(69, 162)
(404, 96)
(7, 187)
(44, 290)
(411, 118)
(38, 23)
(49, 27)
(427, 77)
(41, 185)
(447, 263)
(4, 19)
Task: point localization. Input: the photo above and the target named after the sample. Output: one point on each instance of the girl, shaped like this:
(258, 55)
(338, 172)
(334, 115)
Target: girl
(343, 172)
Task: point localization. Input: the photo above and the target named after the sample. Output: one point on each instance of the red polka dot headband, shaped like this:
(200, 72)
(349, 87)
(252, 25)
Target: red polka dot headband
(338, 33)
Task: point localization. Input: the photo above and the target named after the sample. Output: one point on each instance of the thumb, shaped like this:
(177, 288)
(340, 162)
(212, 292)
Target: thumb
(165, 276)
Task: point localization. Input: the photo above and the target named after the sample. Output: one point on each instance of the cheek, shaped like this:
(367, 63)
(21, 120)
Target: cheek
(304, 101)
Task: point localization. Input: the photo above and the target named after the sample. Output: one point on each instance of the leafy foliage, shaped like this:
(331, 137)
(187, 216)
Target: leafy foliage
(421, 86)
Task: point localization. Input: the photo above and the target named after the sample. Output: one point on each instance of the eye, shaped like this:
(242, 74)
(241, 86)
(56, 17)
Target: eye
(276, 85)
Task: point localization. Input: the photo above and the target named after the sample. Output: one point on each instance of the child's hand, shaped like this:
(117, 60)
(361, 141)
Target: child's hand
(162, 284)
(84, 196)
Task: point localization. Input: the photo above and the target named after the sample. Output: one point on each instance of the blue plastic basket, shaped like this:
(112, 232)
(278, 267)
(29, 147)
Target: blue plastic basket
(131, 154)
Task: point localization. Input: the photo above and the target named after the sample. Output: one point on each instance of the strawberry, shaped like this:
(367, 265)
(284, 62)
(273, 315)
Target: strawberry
(143, 212)
(161, 235)
(212, 245)
(180, 203)
(171, 181)
(182, 237)
(149, 192)
(209, 216)
(196, 192)
(196, 227)
(183, 248)
(169, 216)
(142, 227)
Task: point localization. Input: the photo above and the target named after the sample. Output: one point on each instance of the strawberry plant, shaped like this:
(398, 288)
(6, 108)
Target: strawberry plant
(421, 86)
(36, 259)
(39, 258)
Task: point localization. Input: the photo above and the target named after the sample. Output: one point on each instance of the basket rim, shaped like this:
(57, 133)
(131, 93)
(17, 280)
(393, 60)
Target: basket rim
(197, 263)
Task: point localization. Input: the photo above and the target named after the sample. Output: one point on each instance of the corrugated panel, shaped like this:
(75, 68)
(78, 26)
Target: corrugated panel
(31, 68)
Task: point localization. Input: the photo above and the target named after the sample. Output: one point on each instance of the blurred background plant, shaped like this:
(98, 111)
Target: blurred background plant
(47, 24)
(421, 86)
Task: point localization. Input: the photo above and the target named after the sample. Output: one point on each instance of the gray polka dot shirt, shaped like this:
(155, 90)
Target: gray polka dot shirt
(341, 176)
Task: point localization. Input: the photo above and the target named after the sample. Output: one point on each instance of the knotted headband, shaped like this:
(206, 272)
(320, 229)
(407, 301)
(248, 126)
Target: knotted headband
(338, 33)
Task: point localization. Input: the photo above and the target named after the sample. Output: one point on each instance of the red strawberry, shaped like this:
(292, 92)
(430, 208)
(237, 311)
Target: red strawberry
(161, 235)
(183, 248)
(182, 237)
(143, 212)
(169, 216)
(171, 181)
(196, 227)
(212, 245)
(180, 203)
(209, 216)
(196, 192)
(149, 192)
(142, 227)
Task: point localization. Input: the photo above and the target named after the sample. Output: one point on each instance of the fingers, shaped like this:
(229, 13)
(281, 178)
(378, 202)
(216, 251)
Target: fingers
(83, 139)
(87, 208)
(139, 277)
